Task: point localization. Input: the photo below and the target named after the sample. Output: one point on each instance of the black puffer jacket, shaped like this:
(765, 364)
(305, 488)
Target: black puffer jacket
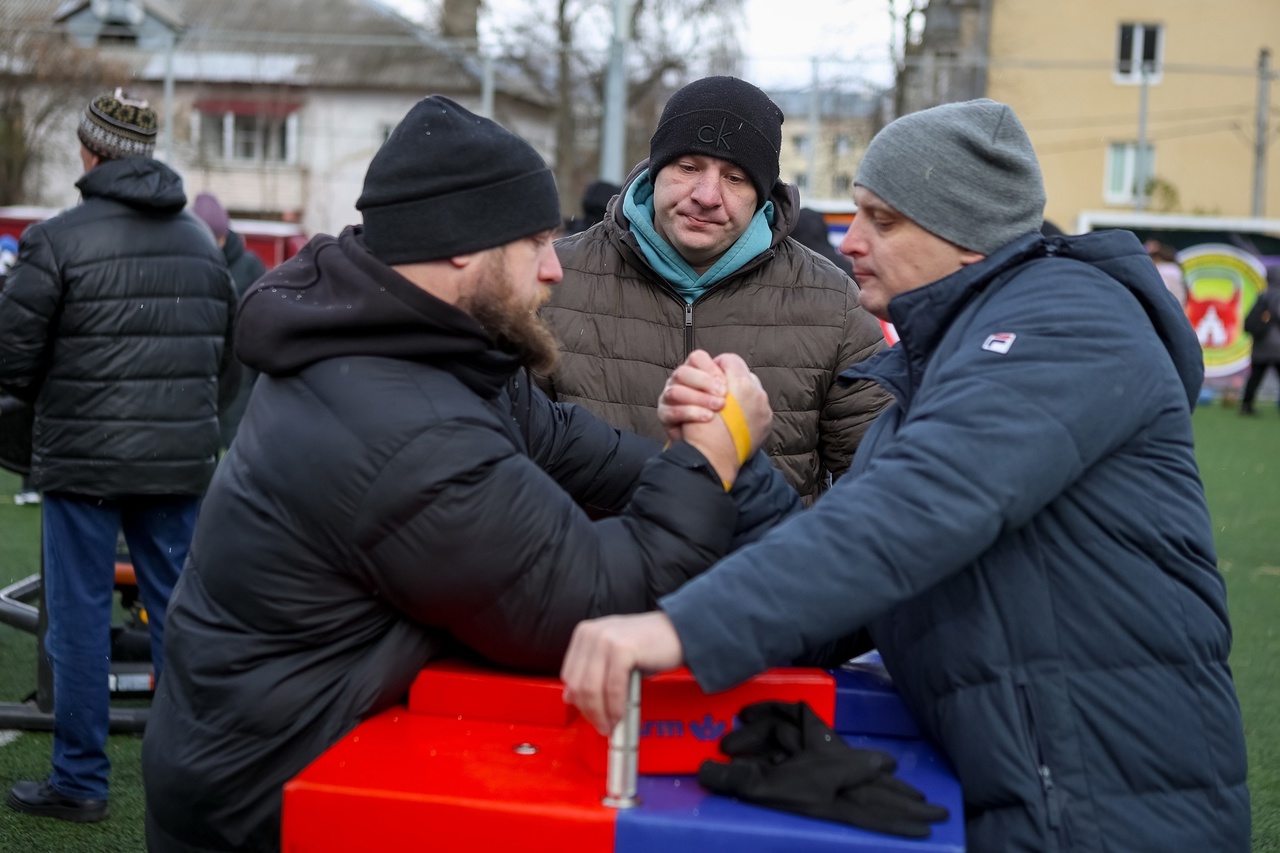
(396, 485)
(116, 321)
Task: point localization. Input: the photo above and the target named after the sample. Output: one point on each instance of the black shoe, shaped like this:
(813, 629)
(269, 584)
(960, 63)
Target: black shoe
(39, 798)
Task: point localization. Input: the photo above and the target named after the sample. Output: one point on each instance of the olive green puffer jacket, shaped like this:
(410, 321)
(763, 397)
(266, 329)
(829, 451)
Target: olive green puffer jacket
(790, 313)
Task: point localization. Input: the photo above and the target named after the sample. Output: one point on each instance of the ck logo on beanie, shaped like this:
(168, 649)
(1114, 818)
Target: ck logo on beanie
(716, 138)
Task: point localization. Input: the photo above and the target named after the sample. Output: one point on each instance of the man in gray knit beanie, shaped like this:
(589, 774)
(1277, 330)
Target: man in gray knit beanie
(1023, 534)
(964, 172)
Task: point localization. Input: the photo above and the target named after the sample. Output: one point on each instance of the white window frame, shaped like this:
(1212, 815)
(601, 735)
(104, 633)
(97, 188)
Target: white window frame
(1133, 77)
(227, 150)
(1127, 152)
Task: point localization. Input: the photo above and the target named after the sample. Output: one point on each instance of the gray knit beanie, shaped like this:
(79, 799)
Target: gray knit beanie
(965, 172)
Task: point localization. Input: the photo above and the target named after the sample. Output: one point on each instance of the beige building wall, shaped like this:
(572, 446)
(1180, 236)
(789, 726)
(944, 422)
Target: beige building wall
(841, 144)
(1054, 62)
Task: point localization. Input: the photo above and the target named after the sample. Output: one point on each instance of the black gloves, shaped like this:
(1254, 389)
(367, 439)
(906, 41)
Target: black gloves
(784, 757)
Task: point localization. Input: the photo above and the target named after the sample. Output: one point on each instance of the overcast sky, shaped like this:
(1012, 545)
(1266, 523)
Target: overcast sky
(780, 38)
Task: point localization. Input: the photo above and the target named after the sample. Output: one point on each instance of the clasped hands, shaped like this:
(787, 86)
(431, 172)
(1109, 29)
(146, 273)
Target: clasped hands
(695, 406)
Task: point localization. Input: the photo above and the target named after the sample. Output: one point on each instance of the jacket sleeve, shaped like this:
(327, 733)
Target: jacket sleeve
(764, 499)
(850, 408)
(29, 305)
(595, 463)
(989, 441)
(487, 546)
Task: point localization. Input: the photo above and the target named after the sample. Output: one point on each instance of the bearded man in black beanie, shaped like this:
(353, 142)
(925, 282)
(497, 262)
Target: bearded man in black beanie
(397, 485)
(696, 253)
(115, 323)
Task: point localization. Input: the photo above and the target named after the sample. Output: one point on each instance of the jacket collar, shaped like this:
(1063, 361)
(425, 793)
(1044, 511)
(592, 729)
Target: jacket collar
(922, 316)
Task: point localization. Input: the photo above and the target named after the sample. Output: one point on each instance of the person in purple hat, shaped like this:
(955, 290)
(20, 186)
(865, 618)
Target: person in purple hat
(246, 268)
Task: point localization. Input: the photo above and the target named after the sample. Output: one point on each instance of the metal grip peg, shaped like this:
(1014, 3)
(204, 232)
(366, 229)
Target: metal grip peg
(624, 752)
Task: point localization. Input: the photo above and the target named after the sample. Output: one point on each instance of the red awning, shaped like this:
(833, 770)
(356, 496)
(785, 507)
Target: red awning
(273, 109)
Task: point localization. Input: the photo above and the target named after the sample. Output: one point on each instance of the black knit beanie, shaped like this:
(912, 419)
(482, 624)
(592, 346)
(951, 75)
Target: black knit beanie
(117, 125)
(722, 117)
(448, 182)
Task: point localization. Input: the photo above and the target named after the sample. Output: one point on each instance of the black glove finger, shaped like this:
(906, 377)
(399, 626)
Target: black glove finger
(884, 799)
(782, 712)
(793, 783)
(765, 728)
(729, 778)
(859, 766)
(754, 740)
(897, 786)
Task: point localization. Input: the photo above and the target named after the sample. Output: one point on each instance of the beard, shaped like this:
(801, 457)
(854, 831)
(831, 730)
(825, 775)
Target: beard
(513, 321)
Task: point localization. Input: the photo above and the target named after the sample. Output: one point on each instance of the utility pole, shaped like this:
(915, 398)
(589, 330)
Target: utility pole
(1261, 131)
(170, 46)
(815, 125)
(1140, 156)
(613, 134)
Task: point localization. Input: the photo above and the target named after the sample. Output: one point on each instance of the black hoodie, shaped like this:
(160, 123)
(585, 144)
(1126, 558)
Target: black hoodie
(116, 321)
(396, 485)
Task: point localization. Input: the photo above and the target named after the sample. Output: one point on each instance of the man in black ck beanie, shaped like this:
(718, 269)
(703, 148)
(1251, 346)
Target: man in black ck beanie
(697, 251)
(398, 487)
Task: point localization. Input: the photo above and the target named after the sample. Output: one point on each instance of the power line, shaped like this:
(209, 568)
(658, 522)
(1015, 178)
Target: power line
(1127, 118)
(1086, 144)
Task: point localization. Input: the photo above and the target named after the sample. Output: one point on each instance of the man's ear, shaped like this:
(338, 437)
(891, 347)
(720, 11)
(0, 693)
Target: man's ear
(464, 261)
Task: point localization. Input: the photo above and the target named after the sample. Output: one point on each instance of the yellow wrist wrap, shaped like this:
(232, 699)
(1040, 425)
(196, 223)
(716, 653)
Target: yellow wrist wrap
(737, 424)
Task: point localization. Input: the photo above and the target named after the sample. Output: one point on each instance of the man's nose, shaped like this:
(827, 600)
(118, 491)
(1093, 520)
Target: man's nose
(549, 269)
(706, 191)
(852, 244)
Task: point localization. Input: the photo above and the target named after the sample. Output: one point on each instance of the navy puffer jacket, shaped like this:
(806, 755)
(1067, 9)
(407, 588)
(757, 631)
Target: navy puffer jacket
(1025, 533)
(116, 322)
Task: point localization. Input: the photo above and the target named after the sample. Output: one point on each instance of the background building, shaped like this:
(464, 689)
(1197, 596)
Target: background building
(824, 135)
(1083, 75)
(275, 106)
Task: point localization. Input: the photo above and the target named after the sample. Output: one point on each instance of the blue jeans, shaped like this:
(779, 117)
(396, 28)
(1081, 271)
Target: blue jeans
(79, 582)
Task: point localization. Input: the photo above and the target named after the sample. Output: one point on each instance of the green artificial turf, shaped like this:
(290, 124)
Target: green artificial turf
(1240, 465)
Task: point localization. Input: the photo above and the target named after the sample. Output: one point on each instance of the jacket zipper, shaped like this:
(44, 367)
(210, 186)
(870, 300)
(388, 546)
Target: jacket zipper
(688, 329)
(1052, 799)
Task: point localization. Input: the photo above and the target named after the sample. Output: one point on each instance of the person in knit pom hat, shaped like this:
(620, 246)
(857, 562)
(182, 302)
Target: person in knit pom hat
(115, 325)
(398, 487)
(698, 251)
(1024, 533)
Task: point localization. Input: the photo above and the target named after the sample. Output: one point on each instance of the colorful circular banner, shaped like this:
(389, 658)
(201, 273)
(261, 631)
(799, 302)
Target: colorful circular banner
(1222, 284)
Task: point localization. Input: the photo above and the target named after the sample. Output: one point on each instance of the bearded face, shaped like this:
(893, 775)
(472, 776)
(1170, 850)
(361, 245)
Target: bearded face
(509, 313)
